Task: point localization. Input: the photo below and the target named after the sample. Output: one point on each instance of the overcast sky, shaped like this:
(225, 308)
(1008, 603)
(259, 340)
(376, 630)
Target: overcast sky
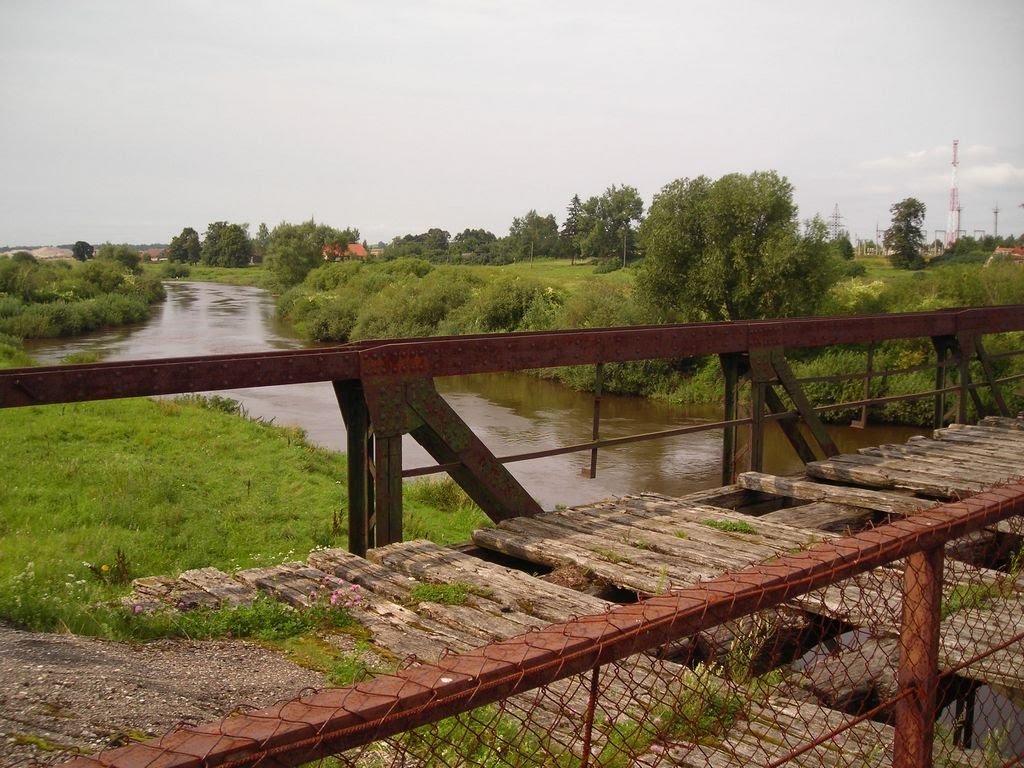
(126, 120)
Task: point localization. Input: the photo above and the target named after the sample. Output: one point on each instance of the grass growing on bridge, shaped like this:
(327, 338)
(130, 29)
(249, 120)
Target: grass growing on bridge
(95, 494)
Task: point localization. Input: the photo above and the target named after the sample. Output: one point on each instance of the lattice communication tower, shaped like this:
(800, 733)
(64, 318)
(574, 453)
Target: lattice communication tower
(953, 222)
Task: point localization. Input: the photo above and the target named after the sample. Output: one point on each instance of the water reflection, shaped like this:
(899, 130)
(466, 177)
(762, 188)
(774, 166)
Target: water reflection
(510, 413)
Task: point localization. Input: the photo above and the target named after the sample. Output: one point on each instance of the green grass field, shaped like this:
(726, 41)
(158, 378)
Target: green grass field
(170, 485)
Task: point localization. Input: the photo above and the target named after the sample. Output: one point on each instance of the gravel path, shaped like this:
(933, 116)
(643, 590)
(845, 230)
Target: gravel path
(60, 693)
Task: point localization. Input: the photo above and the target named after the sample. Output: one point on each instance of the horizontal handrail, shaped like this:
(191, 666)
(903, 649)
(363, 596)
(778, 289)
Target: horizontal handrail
(447, 356)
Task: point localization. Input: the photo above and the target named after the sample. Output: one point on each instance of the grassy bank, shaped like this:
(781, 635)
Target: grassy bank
(254, 275)
(353, 301)
(96, 494)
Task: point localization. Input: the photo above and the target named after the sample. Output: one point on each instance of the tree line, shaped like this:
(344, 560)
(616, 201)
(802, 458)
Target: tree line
(707, 249)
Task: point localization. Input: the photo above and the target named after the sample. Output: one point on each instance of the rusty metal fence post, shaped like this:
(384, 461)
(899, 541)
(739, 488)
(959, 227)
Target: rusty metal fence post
(918, 662)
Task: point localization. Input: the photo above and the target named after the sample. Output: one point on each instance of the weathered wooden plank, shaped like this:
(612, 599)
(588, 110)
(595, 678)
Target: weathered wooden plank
(366, 574)
(839, 494)
(923, 470)
(684, 535)
(292, 583)
(1004, 422)
(861, 470)
(543, 551)
(945, 463)
(225, 588)
(639, 512)
(824, 516)
(982, 433)
(513, 589)
(967, 451)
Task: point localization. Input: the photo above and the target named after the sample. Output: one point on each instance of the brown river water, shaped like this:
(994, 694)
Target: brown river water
(511, 413)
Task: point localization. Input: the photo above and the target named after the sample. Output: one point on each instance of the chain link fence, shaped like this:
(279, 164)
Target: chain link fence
(901, 645)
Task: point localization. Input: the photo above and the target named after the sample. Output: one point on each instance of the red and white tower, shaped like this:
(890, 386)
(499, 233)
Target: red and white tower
(953, 222)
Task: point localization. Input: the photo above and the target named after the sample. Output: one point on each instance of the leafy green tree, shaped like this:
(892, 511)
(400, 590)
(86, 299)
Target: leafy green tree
(606, 227)
(533, 236)
(226, 245)
(293, 250)
(184, 248)
(572, 227)
(82, 251)
(260, 243)
(842, 247)
(904, 240)
(731, 249)
(476, 244)
(123, 254)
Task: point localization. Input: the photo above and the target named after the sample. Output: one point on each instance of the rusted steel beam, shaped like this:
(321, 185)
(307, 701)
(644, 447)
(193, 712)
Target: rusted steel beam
(140, 378)
(918, 672)
(479, 354)
(803, 406)
(334, 720)
(448, 439)
(973, 346)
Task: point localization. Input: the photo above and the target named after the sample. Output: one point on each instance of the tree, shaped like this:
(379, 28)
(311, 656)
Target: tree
(476, 244)
(571, 228)
(842, 247)
(533, 236)
(226, 245)
(904, 240)
(731, 249)
(260, 242)
(82, 251)
(605, 228)
(184, 248)
(123, 254)
(293, 250)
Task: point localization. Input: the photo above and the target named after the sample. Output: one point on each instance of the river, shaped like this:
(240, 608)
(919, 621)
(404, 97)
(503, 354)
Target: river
(511, 413)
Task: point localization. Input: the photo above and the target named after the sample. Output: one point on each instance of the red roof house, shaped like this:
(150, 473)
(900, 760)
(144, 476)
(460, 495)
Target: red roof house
(351, 251)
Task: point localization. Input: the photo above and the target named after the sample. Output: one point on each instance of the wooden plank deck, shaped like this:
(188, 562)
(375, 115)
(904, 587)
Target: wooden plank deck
(648, 544)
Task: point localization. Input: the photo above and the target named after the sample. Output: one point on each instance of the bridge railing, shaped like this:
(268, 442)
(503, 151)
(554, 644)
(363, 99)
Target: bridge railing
(919, 656)
(385, 390)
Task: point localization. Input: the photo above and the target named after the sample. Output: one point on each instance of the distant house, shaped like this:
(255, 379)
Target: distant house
(153, 254)
(337, 253)
(1015, 254)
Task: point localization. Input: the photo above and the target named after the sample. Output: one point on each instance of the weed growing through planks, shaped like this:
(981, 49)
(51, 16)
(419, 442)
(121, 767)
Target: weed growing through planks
(455, 593)
(730, 526)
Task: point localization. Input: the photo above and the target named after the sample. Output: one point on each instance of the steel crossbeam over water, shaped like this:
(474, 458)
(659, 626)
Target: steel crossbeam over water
(385, 390)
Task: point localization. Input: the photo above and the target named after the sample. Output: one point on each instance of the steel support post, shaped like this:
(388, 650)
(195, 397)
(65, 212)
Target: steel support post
(354, 411)
(596, 432)
(731, 373)
(862, 422)
(760, 376)
(388, 506)
(918, 673)
(944, 346)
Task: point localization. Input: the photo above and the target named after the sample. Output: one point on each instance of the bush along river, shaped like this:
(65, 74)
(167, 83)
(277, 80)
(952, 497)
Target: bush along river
(511, 413)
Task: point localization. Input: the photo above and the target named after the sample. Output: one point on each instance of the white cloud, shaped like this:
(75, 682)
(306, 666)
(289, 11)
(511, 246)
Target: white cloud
(994, 175)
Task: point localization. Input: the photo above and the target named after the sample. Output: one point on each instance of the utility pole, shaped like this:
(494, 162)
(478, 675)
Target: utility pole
(624, 231)
(995, 221)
